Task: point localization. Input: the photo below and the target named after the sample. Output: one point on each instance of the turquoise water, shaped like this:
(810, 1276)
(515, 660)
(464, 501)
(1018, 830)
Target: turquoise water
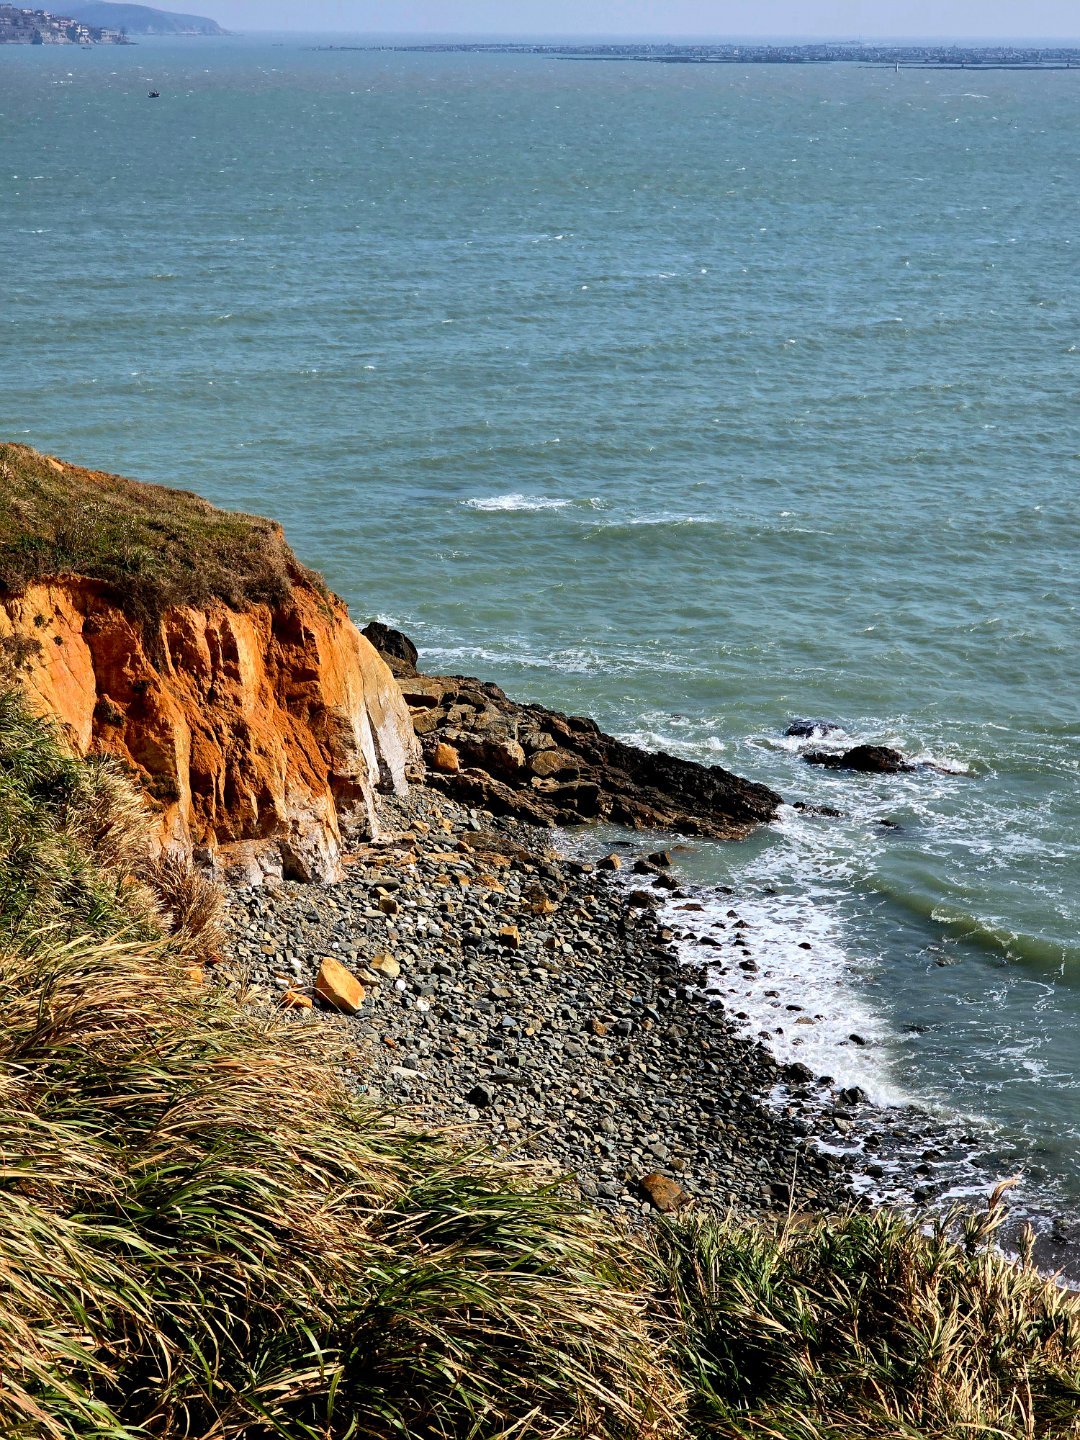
(694, 399)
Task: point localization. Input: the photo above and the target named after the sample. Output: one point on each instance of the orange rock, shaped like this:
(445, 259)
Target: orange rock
(274, 722)
(609, 862)
(338, 986)
(546, 763)
(195, 974)
(293, 1001)
(510, 936)
(663, 1194)
(446, 759)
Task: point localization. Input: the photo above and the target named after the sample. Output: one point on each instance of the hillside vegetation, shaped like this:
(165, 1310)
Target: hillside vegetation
(204, 1233)
(142, 19)
(150, 546)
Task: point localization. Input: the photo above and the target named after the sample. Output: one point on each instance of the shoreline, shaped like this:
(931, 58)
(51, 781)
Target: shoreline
(541, 996)
(593, 1037)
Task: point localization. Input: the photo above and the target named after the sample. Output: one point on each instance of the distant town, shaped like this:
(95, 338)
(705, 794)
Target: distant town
(41, 27)
(925, 57)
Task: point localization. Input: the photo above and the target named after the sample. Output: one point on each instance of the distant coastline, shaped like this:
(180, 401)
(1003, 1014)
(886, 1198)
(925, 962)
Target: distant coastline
(906, 57)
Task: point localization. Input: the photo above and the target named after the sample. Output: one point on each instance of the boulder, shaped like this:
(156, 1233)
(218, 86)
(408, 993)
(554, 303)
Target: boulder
(805, 729)
(446, 759)
(396, 649)
(547, 763)
(662, 1193)
(338, 987)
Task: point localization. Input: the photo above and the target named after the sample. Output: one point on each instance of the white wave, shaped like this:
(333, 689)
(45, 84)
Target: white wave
(516, 502)
(796, 943)
(665, 517)
(947, 763)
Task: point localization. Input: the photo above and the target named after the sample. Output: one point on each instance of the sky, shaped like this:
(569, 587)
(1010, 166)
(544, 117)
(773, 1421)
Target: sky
(720, 19)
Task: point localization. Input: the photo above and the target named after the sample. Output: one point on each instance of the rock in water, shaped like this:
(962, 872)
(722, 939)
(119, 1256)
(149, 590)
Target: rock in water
(397, 649)
(799, 729)
(866, 759)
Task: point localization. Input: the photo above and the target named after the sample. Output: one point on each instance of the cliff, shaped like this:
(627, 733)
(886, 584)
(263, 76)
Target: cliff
(190, 644)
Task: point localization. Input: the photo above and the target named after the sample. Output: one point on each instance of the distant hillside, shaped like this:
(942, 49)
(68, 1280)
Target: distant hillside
(142, 20)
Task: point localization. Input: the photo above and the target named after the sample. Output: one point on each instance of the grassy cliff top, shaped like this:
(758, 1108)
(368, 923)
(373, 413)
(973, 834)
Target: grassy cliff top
(152, 547)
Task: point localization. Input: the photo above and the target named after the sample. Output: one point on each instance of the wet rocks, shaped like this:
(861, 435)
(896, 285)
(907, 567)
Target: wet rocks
(865, 759)
(545, 768)
(797, 730)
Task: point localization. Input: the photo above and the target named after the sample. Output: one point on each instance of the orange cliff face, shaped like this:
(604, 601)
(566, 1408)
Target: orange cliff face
(259, 733)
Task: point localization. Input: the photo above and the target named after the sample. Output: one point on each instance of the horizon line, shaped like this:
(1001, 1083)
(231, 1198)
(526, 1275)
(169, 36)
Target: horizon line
(666, 37)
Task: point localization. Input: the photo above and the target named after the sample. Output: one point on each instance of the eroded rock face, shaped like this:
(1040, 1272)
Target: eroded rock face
(265, 730)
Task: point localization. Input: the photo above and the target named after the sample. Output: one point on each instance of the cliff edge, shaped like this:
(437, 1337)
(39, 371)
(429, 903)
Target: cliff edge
(191, 644)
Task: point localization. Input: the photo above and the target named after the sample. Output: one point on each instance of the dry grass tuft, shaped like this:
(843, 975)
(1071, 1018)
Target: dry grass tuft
(203, 1233)
(864, 1325)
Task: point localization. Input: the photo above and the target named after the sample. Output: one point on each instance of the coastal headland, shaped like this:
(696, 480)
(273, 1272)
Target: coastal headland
(431, 1084)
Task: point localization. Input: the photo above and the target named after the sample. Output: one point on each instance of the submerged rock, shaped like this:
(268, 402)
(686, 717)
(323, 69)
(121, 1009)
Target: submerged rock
(809, 729)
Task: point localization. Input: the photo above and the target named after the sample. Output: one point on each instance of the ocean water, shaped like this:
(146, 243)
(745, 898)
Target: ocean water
(693, 399)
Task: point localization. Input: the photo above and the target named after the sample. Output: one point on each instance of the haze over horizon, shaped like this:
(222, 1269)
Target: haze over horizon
(675, 19)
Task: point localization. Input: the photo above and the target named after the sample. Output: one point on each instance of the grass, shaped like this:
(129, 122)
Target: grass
(150, 547)
(204, 1233)
(864, 1325)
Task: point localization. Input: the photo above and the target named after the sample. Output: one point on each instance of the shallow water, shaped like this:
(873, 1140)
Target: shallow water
(695, 400)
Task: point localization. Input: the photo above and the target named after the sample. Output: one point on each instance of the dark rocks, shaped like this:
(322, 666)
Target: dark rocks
(852, 1095)
(810, 729)
(865, 759)
(397, 649)
(797, 1073)
(542, 767)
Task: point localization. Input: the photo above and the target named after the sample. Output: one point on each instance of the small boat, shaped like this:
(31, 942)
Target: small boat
(154, 94)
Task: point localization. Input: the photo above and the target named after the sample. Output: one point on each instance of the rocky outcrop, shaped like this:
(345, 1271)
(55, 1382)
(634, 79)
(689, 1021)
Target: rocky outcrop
(527, 761)
(259, 732)
(864, 759)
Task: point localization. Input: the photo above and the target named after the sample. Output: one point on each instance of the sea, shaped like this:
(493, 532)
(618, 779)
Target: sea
(698, 399)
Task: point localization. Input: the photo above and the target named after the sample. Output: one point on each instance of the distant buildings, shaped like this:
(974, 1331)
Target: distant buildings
(40, 27)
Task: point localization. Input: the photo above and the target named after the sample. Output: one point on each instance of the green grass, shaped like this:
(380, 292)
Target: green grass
(150, 547)
(204, 1233)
